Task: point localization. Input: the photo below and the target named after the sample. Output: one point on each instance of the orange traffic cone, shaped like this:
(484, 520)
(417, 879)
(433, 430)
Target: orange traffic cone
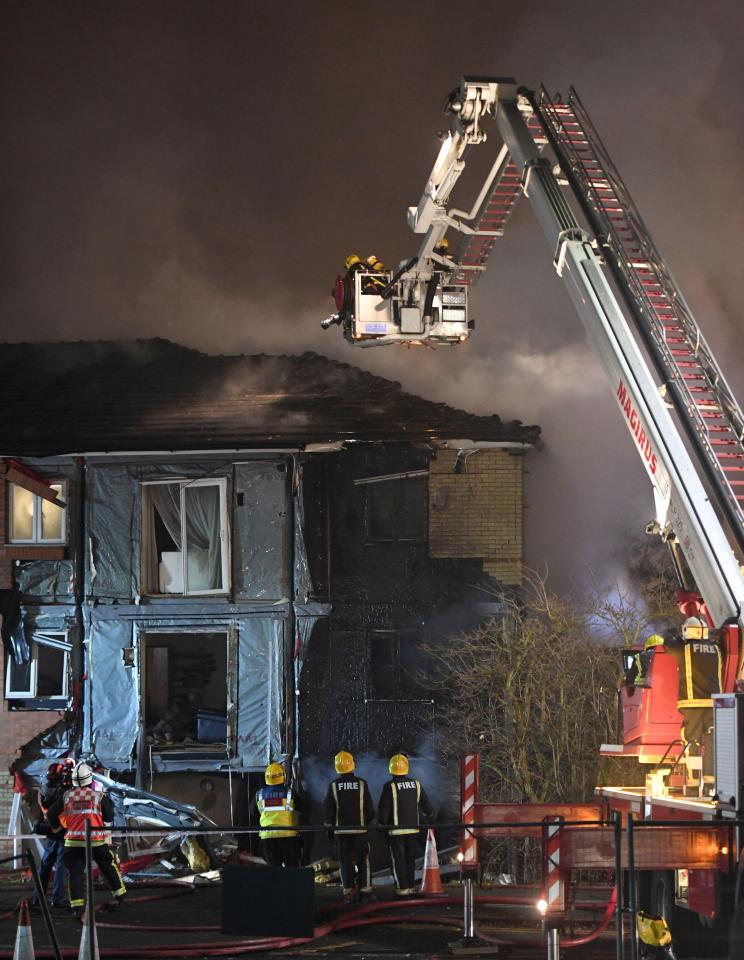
(431, 878)
(24, 943)
(86, 952)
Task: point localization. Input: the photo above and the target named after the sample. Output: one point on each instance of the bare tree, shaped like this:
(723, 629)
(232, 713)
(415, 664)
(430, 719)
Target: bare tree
(534, 691)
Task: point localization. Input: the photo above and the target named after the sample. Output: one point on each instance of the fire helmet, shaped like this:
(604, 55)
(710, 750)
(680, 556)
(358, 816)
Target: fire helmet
(82, 775)
(351, 260)
(398, 765)
(655, 640)
(374, 264)
(274, 773)
(344, 762)
(694, 629)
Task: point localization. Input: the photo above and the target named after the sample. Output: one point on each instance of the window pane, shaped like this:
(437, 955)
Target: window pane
(49, 671)
(20, 677)
(203, 541)
(162, 537)
(23, 514)
(51, 517)
(396, 510)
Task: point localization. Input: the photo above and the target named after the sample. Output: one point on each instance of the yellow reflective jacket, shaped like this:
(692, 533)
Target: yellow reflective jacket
(277, 808)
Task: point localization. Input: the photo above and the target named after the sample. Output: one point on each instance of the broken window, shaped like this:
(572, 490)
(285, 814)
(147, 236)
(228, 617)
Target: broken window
(45, 677)
(184, 537)
(184, 690)
(35, 520)
(397, 510)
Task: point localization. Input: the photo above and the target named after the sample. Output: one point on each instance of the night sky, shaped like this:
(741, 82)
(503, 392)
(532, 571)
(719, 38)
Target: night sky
(198, 171)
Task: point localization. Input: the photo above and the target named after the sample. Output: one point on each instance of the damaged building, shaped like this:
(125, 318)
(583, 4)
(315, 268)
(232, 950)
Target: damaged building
(212, 562)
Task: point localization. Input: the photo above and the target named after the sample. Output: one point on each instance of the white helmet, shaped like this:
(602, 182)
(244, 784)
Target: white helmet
(82, 775)
(694, 629)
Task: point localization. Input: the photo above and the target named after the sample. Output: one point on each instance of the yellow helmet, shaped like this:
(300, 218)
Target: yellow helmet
(374, 264)
(398, 765)
(443, 245)
(655, 640)
(344, 762)
(694, 629)
(274, 773)
(351, 260)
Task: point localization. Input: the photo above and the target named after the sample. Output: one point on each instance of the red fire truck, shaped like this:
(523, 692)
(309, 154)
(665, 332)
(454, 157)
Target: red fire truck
(684, 422)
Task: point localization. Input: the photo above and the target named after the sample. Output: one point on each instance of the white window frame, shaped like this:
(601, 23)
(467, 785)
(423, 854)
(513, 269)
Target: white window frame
(221, 483)
(36, 537)
(57, 640)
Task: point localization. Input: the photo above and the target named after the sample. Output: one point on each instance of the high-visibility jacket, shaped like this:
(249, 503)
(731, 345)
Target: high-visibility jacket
(400, 802)
(699, 668)
(348, 804)
(81, 804)
(278, 808)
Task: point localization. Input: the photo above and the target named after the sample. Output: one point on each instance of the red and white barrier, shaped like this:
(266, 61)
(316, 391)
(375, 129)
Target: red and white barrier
(469, 795)
(554, 888)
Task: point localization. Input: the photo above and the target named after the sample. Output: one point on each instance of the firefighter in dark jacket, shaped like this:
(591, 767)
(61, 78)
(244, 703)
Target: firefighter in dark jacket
(79, 804)
(699, 669)
(347, 809)
(279, 807)
(401, 801)
(52, 859)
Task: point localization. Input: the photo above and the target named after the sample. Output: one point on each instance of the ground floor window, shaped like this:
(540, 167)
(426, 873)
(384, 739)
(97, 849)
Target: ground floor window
(43, 682)
(184, 689)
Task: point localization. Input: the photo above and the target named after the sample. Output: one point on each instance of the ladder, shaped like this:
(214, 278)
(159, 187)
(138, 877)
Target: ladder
(692, 379)
(491, 220)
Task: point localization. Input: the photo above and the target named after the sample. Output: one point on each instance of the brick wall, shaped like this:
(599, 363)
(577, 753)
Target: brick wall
(16, 728)
(478, 512)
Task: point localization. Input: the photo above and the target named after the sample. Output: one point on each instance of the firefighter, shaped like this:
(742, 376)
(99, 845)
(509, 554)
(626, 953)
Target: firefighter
(79, 804)
(699, 669)
(52, 858)
(348, 808)
(638, 674)
(401, 801)
(279, 806)
(375, 279)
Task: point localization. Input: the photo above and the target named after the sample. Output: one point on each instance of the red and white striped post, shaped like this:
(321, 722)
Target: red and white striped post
(554, 892)
(469, 789)
(553, 902)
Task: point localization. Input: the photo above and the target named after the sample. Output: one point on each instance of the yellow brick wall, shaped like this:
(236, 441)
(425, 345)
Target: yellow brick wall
(479, 511)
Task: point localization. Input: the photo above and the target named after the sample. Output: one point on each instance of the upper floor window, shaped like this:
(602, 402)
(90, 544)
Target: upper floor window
(184, 537)
(35, 520)
(397, 510)
(45, 677)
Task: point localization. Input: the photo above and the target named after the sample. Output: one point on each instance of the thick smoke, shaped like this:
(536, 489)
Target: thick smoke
(199, 174)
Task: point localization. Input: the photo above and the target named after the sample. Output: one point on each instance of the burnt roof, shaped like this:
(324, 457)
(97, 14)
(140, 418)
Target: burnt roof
(116, 396)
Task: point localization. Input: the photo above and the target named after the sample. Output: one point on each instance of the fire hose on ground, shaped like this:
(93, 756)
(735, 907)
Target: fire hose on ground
(367, 915)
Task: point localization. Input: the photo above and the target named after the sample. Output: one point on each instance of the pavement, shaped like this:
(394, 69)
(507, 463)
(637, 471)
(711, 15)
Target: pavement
(177, 920)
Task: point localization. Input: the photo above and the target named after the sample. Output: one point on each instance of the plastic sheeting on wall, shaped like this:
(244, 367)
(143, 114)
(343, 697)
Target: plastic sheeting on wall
(111, 507)
(303, 584)
(112, 730)
(260, 531)
(46, 579)
(306, 616)
(260, 690)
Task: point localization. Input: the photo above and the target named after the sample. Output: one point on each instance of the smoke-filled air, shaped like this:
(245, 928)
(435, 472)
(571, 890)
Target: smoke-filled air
(202, 179)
